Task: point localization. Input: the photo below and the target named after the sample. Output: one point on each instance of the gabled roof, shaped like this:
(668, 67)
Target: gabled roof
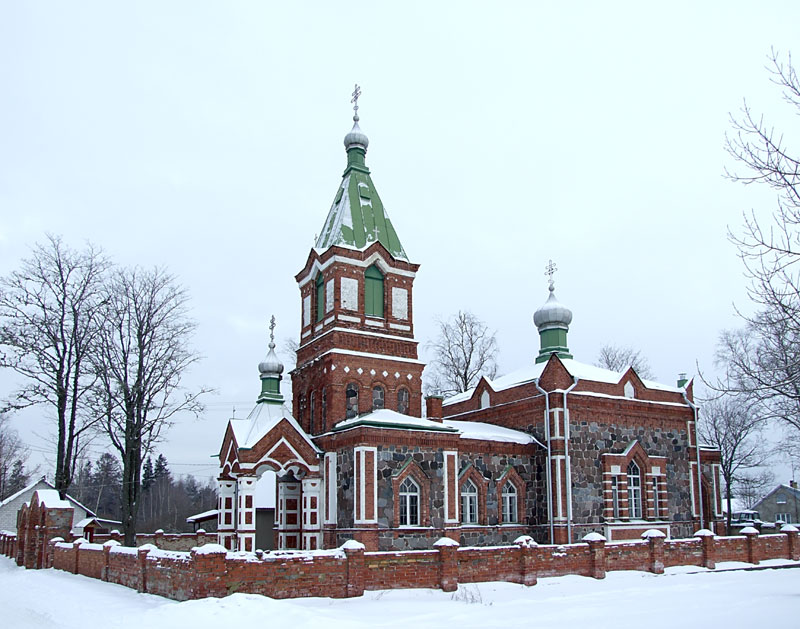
(265, 416)
(357, 217)
(574, 368)
(387, 418)
(48, 486)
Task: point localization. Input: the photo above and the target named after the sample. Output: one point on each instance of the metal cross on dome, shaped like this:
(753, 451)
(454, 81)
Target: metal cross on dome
(550, 270)
(272, 331)
(354, 100)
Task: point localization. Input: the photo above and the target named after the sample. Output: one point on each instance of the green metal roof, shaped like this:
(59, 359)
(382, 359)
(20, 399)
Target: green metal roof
(357, 217)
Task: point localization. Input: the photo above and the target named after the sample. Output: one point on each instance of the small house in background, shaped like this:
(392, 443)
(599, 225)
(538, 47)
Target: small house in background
(781, 504)
(85, 522)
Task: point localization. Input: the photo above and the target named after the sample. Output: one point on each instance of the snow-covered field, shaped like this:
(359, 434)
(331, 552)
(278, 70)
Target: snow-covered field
(683, 597)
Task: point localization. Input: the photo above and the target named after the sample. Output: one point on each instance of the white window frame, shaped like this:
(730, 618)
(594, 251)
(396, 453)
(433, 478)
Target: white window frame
(409, 498)
(634, 491)
(615, 497)
(510, 503)
(469, 502)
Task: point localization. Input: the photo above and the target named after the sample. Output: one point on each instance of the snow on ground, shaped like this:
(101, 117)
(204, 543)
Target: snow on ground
(683, 597)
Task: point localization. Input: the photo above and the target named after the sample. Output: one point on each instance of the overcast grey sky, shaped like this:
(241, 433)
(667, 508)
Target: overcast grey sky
(207, 138)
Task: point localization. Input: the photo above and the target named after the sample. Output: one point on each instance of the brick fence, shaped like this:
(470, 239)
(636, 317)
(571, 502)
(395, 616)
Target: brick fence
(347, 571)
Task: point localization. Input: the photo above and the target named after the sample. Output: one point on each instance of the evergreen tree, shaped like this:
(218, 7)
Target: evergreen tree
(18, 478)
(148, 475)
(107, 479)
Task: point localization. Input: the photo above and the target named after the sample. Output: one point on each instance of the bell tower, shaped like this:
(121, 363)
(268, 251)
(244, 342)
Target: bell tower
(357, 351)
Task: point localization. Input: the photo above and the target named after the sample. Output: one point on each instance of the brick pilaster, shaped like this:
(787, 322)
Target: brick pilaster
(597, 550)
(708, 546)
(655, 545)
(141, 557)
(354, 553)
(527, 559)
(793, 552)
(210, 566)
(751, 544)
(448, 564)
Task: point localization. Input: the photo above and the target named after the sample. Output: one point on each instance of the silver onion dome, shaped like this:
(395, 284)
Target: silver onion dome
(356, 138)
(271, 365)
(552, 313)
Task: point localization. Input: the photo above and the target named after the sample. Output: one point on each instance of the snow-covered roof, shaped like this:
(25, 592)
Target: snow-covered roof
(489, 432)
(386, 418)
(201, 517)
(263, 418)
(576, 369)
(50, 498)
(23, 490)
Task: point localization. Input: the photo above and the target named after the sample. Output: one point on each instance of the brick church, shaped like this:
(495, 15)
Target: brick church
(555, 450)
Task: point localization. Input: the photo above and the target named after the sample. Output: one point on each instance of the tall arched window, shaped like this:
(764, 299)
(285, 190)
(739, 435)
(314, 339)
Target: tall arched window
(509, 511)
(324, 410)
(409, 503)
(311, 410)
(320, 297)
(402, 401)
(469, 503)
(634, 490)
(373, 292)
(378, 397)
(351, 401)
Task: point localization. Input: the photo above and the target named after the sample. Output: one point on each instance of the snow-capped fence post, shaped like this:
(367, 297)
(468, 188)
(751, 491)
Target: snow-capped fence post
(793, 552)
(597, 551)
(448, 563)
(655, 543)
(354, 571)
(141, 556)
(708, 547)
(201, 537)
(158, 538)
(51, 551)
(527, 559)
(107, 558)
(210, 567)
(751, 542)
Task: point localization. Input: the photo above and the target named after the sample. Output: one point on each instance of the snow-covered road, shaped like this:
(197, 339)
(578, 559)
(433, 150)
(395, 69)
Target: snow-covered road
(684, 597)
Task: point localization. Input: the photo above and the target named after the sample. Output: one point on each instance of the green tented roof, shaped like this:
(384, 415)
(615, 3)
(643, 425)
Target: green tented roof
(357, 217)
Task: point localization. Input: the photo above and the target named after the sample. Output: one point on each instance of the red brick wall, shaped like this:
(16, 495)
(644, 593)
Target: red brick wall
(338, 573)
(414, 569)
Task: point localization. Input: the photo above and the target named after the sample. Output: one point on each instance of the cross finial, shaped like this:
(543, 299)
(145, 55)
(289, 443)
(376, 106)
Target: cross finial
(550, 270)
(354, 100)
(272, 332)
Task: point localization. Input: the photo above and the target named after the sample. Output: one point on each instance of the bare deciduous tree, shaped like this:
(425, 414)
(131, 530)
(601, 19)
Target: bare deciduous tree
(464, 351)
(732, 425)
(763, 359)
(620, 358)
(753, 486)
(48, 329)
(13, 455)
(144, 353)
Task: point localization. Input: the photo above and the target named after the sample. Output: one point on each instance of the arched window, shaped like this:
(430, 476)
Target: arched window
(311, 409)
(402, 401)
(320, 297)
(409, 503)
(469, 503)
(373, 292)
(634, 490)
(324, 410)
(509, 511)
(378, 397)
(351, 395)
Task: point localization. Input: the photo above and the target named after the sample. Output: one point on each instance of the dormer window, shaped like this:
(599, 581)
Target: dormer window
(373, 292)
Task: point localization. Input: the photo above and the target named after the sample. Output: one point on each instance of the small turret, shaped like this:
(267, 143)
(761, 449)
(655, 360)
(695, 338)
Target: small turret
(552, 320)
(271, 369)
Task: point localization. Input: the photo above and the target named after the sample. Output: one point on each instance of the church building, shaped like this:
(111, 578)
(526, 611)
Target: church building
(555, 450)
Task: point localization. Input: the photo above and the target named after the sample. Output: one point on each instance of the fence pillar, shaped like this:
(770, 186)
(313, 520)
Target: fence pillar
(201, 537)
(354, 554)
(751, 542)
(655, 543)
(527, 559)
(141, 555)
(448, 564)
(51, 551)
(158, 538)
(597, 551)
(708, 547)
(791, 535)
(210, 567)
(107, 558)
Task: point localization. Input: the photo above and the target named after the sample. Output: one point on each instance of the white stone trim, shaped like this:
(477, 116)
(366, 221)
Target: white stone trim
(373, 259)
(400, 326)
(447, 481)
(331, 488)
(360, 484)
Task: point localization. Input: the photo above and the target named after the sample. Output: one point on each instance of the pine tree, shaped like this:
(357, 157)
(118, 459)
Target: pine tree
(148, 476)
(18, 478)
(107, 478)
